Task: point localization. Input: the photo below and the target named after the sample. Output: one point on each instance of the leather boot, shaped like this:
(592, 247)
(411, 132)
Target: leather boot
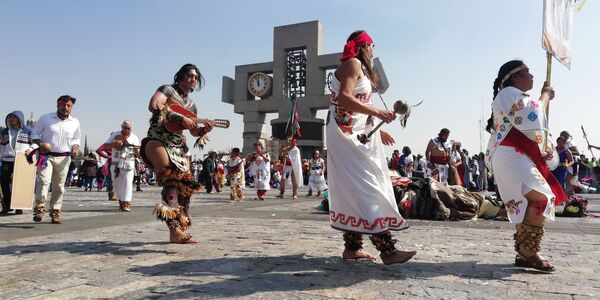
(55, 215)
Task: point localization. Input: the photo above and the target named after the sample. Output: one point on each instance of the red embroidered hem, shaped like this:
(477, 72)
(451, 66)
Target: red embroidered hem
(384, 223)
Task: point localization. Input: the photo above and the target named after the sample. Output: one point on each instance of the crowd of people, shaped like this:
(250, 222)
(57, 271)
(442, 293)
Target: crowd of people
(257, 170)
(356, 173)
(55, 139)
(447, 162)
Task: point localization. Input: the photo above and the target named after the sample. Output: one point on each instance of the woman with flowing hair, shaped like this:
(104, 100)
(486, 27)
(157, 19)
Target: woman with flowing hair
(166, 151)
(361, 197)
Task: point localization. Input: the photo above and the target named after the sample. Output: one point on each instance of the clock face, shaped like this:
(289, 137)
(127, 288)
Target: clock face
(259, 84)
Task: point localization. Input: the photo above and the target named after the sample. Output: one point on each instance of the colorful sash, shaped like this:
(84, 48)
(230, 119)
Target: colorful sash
(523, 144)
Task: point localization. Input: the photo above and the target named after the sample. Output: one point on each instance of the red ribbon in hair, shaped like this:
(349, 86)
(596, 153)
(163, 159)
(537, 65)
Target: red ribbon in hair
(352, 47)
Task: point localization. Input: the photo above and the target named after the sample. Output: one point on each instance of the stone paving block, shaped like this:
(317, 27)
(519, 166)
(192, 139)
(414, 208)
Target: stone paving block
(525, 294)
(23, 293)
(443, 293)
(130, 287)
(566, 288)
(76, 292)
(335, 293)
(55, 285)
(579, 297)
(246, 253)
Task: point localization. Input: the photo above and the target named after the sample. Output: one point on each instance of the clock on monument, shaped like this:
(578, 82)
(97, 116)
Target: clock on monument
(260, 85)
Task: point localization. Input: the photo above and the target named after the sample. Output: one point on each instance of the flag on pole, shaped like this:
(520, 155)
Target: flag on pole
(558, 26)
(292, 128)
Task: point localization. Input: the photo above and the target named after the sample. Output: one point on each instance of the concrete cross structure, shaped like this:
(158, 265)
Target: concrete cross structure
(307, 79)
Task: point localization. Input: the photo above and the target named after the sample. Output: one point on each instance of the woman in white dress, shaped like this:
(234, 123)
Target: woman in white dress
(361, 197)
(316, 181)
(260, 168)
(518, 160)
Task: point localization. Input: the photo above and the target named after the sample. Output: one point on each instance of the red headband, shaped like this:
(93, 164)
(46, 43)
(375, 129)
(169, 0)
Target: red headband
(351, 49)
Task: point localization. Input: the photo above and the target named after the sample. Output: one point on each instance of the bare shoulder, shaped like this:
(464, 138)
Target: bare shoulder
(157, 101)
(430, 144)
(350, 68)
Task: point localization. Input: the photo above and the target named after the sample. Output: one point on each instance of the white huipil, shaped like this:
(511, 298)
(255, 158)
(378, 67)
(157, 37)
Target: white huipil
(361, 197)
(514, 172)
(316, 180)
(124, 161)
(261, 170)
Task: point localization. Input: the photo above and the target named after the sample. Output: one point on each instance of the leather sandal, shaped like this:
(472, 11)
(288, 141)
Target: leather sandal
(535, 262)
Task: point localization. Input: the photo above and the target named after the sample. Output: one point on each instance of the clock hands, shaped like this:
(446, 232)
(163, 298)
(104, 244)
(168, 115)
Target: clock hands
(259, 84)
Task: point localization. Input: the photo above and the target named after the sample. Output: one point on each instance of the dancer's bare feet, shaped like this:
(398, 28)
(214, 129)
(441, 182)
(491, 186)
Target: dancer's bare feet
(360, 254)
(398, 257)
(179, 237)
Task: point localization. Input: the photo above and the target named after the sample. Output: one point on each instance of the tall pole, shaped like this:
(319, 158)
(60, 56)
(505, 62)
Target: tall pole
(547, 108)
(481, 128)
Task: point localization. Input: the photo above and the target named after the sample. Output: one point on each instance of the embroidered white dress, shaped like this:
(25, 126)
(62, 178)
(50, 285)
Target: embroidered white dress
(316, 181)
(361, 197)
(124, 160)
(514, 172)
(261, 171)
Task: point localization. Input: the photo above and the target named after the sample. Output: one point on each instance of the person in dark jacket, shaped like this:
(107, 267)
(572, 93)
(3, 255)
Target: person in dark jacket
(209, 168)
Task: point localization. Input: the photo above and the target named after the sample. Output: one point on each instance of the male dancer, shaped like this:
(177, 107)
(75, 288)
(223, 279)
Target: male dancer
(166, 150)
(437, 155)
(292, 168)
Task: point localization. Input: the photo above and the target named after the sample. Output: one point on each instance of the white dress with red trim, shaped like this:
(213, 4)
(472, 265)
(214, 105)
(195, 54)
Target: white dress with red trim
(515, 172)
(316, 180)
(361, 197)
(261, 170)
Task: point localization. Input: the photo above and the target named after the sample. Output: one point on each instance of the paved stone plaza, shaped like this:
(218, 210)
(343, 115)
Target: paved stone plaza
(277, 249)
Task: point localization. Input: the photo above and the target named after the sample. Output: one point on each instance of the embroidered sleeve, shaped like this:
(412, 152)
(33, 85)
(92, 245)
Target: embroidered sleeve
(528, 115)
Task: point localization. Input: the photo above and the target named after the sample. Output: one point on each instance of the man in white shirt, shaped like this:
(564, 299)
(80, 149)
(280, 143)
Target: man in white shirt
(56, 137)
(125, 148)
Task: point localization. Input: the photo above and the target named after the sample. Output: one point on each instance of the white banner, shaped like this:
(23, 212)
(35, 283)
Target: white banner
(558, 26)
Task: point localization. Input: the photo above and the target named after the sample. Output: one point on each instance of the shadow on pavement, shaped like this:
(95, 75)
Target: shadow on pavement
(17, 225)
(85, 248)
(244, 276)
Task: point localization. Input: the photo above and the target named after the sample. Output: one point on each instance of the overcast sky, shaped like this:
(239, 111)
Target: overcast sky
(112, 55)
